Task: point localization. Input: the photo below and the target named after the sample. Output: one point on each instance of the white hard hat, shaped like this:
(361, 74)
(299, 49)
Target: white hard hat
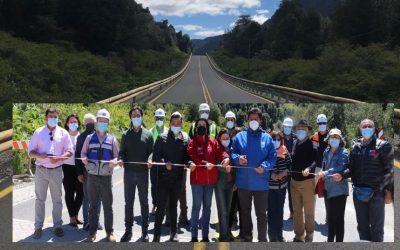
(176, 113)
(322, 118)
(204, 107)
(160, 112)
(230, 114)
(288, 122)
(103, 113)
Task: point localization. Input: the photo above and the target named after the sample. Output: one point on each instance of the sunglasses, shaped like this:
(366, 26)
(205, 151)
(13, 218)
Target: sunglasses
(322, 123)
(51, 136)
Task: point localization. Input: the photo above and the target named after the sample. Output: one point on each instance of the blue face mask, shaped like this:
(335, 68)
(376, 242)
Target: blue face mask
(301, 134)
(175, 130)
(367, 132)
(334, 142)
(52, 122)
(137, 121)
(287, 130)
(73, 126)
(102, 126)
(322, 128)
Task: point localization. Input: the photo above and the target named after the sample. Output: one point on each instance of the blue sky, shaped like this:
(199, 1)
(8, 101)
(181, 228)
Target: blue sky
(204, 18)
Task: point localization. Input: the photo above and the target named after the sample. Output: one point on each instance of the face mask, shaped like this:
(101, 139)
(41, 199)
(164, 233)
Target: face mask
(254, 125)
(176, 130)
(334, 142)
(73, 126)
(229, 124)
(201, 130)
(225, 143)
(137, 121)
(277, 144)
(204, 116)
(159, 123)
(102, 126)
(367, 132)
(90, 127)
(322, 128)
(301, 134)
(287, 130)
(52, 122)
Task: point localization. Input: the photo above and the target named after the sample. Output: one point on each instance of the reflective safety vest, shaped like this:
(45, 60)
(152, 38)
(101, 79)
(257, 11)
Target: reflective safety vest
(213, 129)
(315, 140)
(154, 132)
(100, 151)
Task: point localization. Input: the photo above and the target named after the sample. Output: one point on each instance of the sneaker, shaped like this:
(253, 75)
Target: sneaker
(144, 238)
(194, 240)
(37, 234)
(59, 232)
(111, 237)
(91, 238)
(126, 237)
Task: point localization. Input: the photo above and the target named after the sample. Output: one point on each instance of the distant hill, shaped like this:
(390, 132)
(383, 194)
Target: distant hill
(324, 7)
(206, 45)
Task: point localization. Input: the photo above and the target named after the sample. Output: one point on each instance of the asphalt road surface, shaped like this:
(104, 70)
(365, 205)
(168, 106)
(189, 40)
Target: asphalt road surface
(201, 83)
(23, 218)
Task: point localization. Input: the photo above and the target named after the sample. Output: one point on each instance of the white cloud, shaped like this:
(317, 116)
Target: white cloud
(259, 18)
(201, 31)
(191, 7)
(262, 11)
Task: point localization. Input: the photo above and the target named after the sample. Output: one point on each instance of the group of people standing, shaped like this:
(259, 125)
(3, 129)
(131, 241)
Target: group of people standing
(241, 166)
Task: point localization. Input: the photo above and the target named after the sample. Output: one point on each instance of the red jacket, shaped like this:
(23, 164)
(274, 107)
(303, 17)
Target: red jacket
(202, 151)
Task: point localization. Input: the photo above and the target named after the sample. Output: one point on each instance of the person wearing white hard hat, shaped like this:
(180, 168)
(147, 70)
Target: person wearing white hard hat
(320, 144)
(230, 124)
(102, 146)
(204, 113)
(158, 129)
(335, 161)
(136, 146)
(289, 137)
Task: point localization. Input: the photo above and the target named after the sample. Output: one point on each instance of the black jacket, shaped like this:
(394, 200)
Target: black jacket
(304, 156)
(371, 165)
(79, 166)
(169, 149)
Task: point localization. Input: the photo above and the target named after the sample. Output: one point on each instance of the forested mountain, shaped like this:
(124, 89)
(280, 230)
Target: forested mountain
(206, 45)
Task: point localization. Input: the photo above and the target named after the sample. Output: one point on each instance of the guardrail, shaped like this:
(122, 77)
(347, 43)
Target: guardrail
(145, 92)
(5, 140)
(277, 93)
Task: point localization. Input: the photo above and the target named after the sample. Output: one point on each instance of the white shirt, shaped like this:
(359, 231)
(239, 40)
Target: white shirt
(71, 160)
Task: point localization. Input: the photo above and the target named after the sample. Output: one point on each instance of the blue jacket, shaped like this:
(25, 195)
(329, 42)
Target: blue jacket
(260, 151)
(338, 164)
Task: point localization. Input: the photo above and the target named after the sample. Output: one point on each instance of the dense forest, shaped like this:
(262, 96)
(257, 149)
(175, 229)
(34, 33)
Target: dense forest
(353, 51)
(82, 50)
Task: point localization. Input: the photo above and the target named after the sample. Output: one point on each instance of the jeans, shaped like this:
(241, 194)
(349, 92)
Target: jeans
(223, 196)
(100, 191)
(140, 180)
(202, 196)
(260, 206)
(276, 202)
(370, 217)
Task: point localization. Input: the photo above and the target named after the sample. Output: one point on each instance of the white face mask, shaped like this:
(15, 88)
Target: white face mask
(225, 143)
(204, 115)
(254, 125)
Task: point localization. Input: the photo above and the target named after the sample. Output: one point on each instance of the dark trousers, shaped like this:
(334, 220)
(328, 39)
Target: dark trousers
(182, 199)
(73, 190)
(260, 206)
(235, 208)
(100, 191)
(140, 180)
(276, 202)
(223, 197)
(168, 194)
(154, 181)
(336, 207)
(370, 217)
(290, 196)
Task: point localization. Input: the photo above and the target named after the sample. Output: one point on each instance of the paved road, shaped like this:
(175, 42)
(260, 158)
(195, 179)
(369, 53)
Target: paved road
(23, 215)
(201, 83)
